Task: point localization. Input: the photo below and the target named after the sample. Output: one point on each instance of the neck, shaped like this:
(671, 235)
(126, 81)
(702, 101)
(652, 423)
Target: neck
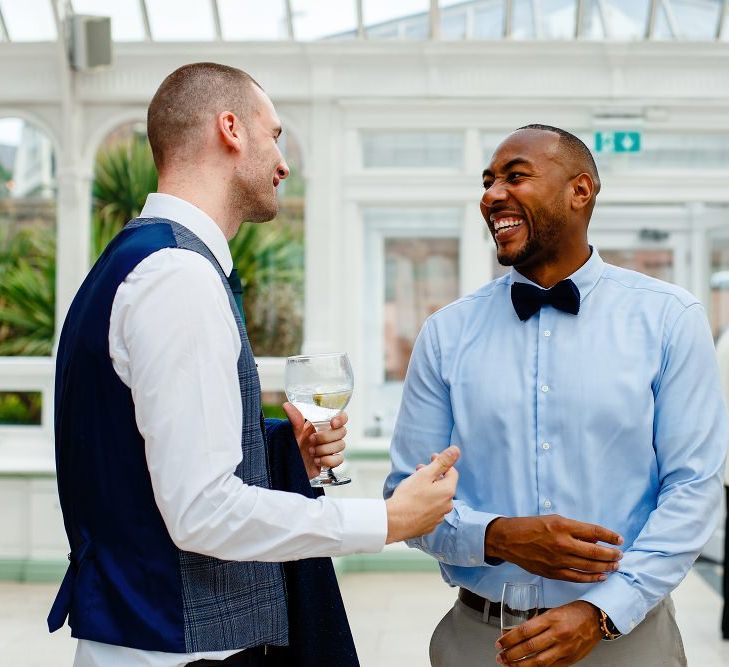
(547, 274)
(208, 194)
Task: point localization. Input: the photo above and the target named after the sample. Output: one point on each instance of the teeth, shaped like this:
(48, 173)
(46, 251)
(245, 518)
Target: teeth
(505, 223)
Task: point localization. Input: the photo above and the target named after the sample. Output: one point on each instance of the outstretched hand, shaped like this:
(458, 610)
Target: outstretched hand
(318, 448)
(421, 501)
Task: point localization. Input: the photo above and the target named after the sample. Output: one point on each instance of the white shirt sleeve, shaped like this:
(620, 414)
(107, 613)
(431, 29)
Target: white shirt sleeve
(174, 342)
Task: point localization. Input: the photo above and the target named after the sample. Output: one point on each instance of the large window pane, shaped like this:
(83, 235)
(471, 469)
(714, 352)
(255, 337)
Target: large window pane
(29, 20)
(696, 19)
(556, 19)
(414, 150)
(406, 19)
(27, 239)
(324, 20)
(168, 21)
(126, 17)
(627, 19)
(656, 262)
(253, 20)
(421, 276)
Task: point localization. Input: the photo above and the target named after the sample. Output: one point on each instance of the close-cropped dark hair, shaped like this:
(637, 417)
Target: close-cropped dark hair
(188, 99)
(574, 147)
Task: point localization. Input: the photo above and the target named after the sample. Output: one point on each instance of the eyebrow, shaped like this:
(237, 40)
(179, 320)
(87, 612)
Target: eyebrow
(511, 163)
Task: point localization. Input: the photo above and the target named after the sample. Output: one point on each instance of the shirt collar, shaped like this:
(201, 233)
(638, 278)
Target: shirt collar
(161, 205)
(585, 278)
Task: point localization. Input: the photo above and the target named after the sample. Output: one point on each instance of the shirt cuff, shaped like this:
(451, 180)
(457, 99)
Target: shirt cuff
(619, 600)
(364, 524)
(470, 536)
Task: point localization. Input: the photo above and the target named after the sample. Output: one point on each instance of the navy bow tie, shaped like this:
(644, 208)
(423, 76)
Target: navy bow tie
(528, 299)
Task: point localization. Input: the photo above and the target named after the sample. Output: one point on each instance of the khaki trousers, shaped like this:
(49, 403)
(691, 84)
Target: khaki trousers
(463, 638)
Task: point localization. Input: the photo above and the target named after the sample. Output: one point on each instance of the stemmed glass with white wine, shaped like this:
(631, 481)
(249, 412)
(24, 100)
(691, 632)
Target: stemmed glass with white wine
(320, 386)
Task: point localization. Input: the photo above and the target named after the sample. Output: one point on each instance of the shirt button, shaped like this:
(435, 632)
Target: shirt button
(547, 504)
(546, 446)
(547, 333)
(545, 388)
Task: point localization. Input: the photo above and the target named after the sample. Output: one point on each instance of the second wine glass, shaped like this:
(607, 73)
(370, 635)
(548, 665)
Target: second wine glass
(320, 386)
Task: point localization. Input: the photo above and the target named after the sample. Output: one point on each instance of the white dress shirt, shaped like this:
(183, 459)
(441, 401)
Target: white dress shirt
(174, 342)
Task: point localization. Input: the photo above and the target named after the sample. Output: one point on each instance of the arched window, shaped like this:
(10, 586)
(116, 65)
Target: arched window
(27, 256)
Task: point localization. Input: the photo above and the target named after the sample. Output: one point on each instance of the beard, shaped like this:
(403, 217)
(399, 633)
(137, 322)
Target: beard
(542, 240)
(253, 196)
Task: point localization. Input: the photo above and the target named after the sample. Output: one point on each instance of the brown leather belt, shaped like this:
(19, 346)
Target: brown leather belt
(477, 603)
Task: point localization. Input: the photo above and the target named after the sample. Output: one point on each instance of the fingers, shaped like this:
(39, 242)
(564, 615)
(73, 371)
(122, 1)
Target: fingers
(340, 420)
(594, 552)
(548, 658)
(590, 532)
(529, 646)
(330, 461)
(526, 631)
(443, 463)
(566, 574)
(322, 438)
(588, 564)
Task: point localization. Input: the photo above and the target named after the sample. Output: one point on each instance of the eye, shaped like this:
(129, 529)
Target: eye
(487, 184)
(514, 176)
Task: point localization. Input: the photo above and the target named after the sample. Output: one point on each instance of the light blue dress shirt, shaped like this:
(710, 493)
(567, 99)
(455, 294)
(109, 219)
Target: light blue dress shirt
(614, 416)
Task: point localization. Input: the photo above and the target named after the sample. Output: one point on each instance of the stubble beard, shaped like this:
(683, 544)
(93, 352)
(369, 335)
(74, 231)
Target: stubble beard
(253, 196)
(541, 240)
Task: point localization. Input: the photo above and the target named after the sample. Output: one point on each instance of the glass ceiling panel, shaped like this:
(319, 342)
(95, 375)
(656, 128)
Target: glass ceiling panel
(253, 20)
(320, 19)
(593, 21)
(488, 21)
(556, 19)
(169, 23)
(127, 24)
(29, 20)
(697, 19)
(404, 19)
(627, 19)
(664, 28)
(522, 21)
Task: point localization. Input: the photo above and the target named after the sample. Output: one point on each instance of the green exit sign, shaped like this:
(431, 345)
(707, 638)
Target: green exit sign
(617, 142)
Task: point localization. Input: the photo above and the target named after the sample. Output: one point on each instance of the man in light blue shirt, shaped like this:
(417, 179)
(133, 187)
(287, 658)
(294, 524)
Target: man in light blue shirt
(589, 412)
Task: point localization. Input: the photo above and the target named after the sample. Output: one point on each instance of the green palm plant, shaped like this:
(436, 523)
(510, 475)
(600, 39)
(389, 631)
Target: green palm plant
(125, 174)
(27, 293)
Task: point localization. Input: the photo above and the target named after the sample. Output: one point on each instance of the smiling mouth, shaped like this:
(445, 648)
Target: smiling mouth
(504, 226)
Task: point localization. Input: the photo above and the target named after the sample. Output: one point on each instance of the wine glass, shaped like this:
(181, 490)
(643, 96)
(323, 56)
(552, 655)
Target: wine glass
(519, 603)
(320, 386)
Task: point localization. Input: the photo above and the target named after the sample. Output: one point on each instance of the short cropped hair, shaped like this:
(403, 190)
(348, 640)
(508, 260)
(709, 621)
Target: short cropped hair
(188, 99)
(574, 147)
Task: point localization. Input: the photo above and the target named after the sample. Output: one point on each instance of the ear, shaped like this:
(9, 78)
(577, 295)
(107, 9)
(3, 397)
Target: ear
(583, 190)
(230, 131)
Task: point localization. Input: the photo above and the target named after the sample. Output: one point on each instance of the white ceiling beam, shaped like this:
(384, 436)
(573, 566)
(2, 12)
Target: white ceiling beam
(671, 17)
(360, 21)
(145, 20)
(579, 19)
(434, 19)
(604, 19)
(216, 20)
(290, 21)
(722, 18)
(650, 25)
(4, 34)
(537, 19)
(508, 18)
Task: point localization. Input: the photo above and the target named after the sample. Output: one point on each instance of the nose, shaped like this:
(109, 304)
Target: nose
(282, 171)
(495, 194)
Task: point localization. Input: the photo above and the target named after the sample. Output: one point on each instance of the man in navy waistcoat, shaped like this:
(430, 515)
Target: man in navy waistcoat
(177, 535)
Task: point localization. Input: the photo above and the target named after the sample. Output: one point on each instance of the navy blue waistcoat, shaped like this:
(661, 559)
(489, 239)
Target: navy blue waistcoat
(127, 583)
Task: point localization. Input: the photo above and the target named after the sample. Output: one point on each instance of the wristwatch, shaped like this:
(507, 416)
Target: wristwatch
(607, 627)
